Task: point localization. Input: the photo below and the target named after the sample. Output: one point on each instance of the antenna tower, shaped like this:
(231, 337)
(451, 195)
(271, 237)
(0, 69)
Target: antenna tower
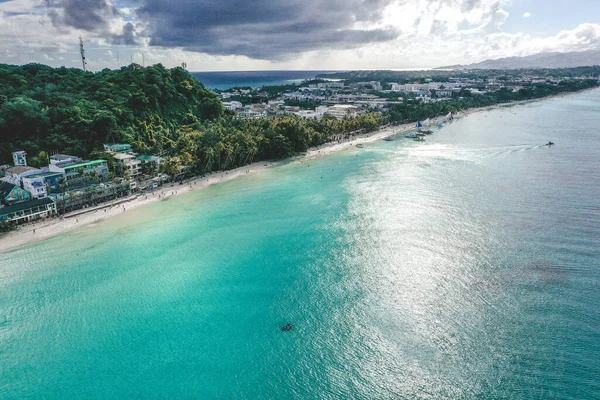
(82, 51)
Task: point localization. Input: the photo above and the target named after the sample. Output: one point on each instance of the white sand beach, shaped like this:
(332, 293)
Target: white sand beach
(44, 229)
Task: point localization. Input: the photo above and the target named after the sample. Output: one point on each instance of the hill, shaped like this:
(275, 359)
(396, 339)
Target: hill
(540, 60)
(72, 111)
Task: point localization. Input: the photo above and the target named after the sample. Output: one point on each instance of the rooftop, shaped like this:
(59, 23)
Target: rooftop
(43, 175)
(26, 205)
(122, 156)
(85, 164)
(20, 169)
(5, 188)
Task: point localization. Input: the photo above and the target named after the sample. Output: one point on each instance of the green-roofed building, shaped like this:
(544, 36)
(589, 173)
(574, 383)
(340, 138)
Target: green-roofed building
(74, 171)
(118, 147)
(10, 194)
(28, 211)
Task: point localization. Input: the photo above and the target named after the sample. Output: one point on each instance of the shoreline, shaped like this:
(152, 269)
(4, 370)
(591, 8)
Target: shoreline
(42, 230)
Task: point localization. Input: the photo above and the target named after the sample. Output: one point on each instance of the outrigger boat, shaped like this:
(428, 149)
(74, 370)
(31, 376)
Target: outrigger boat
(360, 145)
(389, 139)
(411, 135)
(419, 139)
(425, 132)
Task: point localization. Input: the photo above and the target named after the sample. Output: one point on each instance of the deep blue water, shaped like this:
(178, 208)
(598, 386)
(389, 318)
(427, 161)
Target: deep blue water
(226, 80)
(467, 266)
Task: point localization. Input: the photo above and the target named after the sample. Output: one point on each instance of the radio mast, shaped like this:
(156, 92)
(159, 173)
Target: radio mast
(82, 51)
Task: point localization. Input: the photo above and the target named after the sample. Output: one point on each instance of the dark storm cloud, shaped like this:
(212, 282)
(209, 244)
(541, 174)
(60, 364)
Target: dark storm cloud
(92, 16)
(89, 15)
(264, 29)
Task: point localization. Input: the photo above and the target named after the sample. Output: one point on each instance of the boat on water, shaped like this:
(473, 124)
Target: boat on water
(427, 132)
(389, 139)
(411, 135)
(419, 139)
(360, 145)
(550, 144)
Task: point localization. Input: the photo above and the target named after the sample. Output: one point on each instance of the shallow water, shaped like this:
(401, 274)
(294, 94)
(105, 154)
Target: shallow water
(466, 266)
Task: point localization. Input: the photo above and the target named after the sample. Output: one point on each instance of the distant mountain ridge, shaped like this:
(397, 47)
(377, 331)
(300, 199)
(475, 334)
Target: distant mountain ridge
(541, 60)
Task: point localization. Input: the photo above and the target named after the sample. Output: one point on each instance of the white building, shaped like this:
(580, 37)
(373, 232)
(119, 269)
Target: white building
(15, 175)
(330, 85)
(233, 105)
(129, 162)
(308, 114)
(19, 158)
(60, 158)
(341, 111)
(36, 186)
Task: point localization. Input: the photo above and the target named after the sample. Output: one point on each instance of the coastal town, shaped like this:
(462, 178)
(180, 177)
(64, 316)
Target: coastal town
(60, 184)
(340, 99)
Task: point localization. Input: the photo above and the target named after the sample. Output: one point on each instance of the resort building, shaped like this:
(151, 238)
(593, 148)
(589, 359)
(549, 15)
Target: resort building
(341, 111)
(73, 171)
(442, 92)
(51, 180)
(28, 211)
(15, 175)
(64, 158)
(129, 163)
(10, 194)
(36, 186)
(308, 114)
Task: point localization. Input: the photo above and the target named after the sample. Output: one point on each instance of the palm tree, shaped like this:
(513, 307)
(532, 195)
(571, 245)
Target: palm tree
(62, 184)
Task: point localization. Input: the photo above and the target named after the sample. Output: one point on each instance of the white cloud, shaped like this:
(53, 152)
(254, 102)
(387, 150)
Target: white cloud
(433, 33)
(527, 15)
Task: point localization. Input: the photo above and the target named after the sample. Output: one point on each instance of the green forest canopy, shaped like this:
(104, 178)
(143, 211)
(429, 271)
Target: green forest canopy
(72, 111)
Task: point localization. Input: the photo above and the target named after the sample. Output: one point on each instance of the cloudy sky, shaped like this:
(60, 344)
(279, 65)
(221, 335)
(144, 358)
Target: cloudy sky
(214, 35)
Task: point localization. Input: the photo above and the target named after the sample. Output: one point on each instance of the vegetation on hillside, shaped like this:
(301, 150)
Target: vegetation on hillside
(166, 111)
(72, 111)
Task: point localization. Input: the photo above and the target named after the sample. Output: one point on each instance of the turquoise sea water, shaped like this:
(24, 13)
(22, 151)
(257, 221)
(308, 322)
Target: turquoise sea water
(464, 267)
